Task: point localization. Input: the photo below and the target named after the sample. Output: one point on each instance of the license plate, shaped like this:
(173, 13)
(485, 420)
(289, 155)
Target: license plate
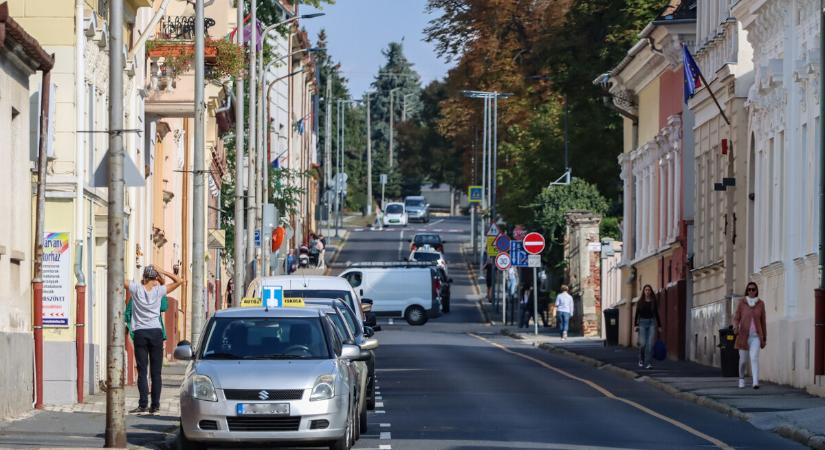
(394, 220)
(269, 409)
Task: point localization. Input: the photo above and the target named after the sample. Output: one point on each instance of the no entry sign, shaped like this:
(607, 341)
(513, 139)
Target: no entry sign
(533, 243)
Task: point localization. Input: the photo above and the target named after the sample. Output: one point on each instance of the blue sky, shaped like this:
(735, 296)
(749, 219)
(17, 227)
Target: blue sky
(358, 30)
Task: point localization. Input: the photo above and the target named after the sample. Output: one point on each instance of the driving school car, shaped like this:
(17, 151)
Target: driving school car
(269, 374)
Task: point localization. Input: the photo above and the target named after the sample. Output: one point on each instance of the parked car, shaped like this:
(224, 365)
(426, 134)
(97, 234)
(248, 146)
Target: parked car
(279, 375)
(362, 337)
(395, 214)
(417, 208)
(428, 254)
(432, 239)
(413, 292)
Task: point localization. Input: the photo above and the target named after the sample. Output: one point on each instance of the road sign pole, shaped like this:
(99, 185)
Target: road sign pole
(503, 302)
(472, 229)
(535, 304)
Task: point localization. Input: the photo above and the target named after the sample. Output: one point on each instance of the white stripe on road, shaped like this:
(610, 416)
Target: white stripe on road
(400, 243)
(390, 322)
(378, 397)
(385, 447)
(384, 425)
(437, 221)
(379, 404)
(380, 412)
(385, 435)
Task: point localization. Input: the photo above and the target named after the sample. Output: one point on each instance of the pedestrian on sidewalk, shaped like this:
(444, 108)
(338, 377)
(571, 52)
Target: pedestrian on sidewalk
(749, 324)
(488, 278)
(647, 322)
(526, 307)
(564, 310)
(146, 329)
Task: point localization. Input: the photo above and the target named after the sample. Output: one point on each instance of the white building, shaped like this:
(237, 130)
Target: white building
(783, 151)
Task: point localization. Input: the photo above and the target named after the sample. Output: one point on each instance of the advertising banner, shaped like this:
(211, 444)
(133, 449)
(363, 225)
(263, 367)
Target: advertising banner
(57, 283)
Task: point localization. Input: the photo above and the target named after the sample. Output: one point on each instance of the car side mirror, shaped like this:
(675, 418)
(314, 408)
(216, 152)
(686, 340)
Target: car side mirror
(353, 353)
(368, 331)
(368, 301)
(369, 344)
(183, 351)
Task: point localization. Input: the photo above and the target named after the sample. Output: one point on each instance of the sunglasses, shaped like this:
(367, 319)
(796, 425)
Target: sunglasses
(751, 289)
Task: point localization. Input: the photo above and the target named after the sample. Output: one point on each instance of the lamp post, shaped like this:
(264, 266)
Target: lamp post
(369, 157)
(392, 125)
(238, 291)
(340, 163)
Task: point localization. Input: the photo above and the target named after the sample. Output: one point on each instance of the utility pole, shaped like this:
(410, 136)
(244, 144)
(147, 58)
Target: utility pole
(251, 209)
(115, 276)
(328, 148)
(337, 165)
(493, 179)
(198, 188)
(239, 256)
(369, 159)
(392, 125)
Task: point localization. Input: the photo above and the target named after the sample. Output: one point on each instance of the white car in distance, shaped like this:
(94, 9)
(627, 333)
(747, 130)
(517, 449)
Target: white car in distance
(395, 214)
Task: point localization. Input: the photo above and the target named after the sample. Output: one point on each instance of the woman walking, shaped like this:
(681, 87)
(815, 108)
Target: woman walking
(751, 332)
(647, 321)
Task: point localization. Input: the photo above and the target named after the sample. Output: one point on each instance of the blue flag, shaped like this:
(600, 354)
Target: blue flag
(693, 76)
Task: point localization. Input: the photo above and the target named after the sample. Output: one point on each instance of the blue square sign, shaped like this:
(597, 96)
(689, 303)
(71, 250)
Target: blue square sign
(475, 193)
(517, 254)
(273, 296)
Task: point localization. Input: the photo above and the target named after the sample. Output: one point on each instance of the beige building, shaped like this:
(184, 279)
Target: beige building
(20, 57)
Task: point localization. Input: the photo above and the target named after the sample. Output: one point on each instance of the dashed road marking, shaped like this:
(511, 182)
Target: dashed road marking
(384, 425)
(380, 412)
(379, 404)
(611, 395)
(385, 447)
(390, 322)
(385, 435)
(378, 397)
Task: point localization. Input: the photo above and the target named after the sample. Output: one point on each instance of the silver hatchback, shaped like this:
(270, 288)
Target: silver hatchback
(277, 375)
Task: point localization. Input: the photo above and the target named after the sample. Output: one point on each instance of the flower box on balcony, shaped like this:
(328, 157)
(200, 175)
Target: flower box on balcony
(170, 49)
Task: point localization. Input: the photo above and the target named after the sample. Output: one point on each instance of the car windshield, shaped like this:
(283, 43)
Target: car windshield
(395, 209)
(346, 296)
(426, 256)
(265, 338)
(415, 203)
(424, 239)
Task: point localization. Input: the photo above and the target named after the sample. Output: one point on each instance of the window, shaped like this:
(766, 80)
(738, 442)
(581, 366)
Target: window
(354, 278)
(265, 338)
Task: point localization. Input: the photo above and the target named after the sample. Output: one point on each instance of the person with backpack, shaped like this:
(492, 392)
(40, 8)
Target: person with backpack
(147, 300)
(647, 322)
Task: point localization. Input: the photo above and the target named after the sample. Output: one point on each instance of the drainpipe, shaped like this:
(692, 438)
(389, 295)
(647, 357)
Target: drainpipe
(80, 287)
(819, 311)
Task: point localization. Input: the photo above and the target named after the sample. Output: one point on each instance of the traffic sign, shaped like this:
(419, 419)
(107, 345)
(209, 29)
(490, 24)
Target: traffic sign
(493, 230)
(273, 296)
(534, 243)
(491, 248)
(503, 261)
(517, 254)
(533, 260)
(475, 193)
(383, 178)
(257, 238)
(502, 242)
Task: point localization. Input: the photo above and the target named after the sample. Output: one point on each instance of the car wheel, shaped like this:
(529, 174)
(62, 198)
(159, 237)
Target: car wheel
(415, 315)
(362, 422)
(185, 444)
(345, 442)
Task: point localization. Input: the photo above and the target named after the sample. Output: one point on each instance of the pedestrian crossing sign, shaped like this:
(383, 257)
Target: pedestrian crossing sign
(273, 296)
(475, 193)
(493, 230)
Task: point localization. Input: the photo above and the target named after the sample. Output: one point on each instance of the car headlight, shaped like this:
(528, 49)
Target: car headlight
(324, 388)
(203, 389)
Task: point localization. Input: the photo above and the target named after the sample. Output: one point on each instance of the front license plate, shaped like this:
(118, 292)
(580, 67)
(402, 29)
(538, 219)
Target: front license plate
(269, 409)
(394, 220)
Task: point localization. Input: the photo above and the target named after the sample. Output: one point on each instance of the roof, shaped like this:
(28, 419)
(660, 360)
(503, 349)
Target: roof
(15, 39)
(263, 312)
(335, 282)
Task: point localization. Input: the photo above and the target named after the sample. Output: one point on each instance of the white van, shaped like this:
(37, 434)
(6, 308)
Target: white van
(410, 292)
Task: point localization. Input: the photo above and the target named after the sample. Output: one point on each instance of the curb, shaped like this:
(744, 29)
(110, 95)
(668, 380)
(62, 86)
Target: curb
(472, 274)
(787, 431)
(334, 258)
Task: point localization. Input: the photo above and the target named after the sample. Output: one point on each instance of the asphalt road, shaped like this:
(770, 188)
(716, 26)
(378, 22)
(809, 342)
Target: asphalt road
(456, 383)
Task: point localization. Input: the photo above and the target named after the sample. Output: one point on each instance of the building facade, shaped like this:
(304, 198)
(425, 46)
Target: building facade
(781, 147)
(657, 171)
(719, 258)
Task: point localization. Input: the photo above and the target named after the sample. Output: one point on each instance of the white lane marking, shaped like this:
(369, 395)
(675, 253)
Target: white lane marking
(380, 412)
(385, 435)
(358, 229)
(385, 447)
(378, 397)
(400, 243)
(379, 404)
(384, 425)
(437, 221)
(390, 322)
(438, 230)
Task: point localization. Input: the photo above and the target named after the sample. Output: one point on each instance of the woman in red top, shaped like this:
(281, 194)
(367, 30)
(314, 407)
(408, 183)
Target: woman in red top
(751, 332)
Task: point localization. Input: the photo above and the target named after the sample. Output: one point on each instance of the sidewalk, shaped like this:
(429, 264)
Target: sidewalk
(84, 425)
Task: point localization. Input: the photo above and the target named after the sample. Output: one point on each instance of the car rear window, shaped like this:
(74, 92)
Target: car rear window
(426, 256)
(265, 338)
(395, 209)
(414, 203)
(430, 239)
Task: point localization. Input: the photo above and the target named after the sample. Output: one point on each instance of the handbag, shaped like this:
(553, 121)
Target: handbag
(659, 350)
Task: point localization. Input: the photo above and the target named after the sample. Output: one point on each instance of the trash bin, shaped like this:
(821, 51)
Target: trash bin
(729, 356)
(611, 323)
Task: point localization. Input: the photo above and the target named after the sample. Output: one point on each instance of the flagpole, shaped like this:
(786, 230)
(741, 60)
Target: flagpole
(707, 85)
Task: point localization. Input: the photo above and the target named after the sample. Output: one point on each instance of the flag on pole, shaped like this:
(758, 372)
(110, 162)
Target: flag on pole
(693, 76)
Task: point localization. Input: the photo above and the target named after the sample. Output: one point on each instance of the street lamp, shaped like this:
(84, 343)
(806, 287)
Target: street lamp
(392, 124)
(340, 162)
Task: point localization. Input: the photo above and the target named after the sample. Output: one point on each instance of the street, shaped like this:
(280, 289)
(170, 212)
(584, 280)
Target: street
(456, 383)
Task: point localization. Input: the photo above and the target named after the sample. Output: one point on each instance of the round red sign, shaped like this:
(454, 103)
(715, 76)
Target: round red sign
(533, 243)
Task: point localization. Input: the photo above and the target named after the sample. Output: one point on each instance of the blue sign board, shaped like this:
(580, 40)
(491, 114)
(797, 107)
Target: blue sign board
(273, 296)
(257, 238)
(517, 254)
(502, 243)
(476, 193)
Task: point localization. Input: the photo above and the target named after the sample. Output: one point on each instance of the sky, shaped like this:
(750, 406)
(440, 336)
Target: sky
(357, 31)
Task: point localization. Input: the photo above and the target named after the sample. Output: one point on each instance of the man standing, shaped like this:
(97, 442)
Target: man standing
(564, 310)
(145, 305)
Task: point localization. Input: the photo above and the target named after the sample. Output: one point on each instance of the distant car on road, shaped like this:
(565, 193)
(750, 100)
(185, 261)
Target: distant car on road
(432, 239)
(426, 253)
(417, 208)
(399, 289)
(395, 214)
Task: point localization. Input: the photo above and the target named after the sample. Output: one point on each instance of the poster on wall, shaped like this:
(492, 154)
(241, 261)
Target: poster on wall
(57, 289)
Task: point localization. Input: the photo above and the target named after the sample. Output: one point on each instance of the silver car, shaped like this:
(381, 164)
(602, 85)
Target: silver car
(279, 375)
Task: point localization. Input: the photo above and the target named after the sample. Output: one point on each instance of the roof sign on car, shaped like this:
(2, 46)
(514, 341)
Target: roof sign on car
(251, 302)
(293, 302)
(273, 296)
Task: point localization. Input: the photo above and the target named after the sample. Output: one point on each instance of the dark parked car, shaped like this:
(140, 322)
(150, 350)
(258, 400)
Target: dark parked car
(431, 239)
